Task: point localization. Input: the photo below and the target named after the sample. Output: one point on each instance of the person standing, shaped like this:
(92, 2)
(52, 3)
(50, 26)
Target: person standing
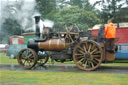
(101, 34)
(110, 32)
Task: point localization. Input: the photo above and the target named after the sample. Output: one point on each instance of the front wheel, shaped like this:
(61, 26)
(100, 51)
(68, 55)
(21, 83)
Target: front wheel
(27, 58)
(87, 55)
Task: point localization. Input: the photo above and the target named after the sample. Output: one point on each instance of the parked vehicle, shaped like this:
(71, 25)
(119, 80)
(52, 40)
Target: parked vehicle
(14, 49)
(3, 47)
(122, 52)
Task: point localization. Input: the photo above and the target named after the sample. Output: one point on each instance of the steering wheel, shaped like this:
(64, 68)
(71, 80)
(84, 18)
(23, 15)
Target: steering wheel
(68, 32)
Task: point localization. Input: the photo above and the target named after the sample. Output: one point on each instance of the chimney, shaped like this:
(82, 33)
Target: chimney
(37, 19)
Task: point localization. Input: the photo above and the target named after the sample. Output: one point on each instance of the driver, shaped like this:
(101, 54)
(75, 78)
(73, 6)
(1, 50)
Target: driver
(110, 31)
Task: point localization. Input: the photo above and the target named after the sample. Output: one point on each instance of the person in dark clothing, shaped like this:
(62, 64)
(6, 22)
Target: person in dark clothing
(101, 34)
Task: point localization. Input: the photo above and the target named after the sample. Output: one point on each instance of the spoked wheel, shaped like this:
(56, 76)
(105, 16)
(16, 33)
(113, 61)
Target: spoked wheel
(43, 60)
(87, 55)
(27, 58)
(68, 32)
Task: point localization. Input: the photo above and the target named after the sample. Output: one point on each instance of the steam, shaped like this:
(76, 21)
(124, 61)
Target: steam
(20, 10)
(24, 15)
(2, 12)
(45, 23)
(42, 24)
(23, 11)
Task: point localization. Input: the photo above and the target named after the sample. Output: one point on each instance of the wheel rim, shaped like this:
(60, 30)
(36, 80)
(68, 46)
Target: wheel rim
(87, 55)
(27, 58)
(42, 61)
(70, 32)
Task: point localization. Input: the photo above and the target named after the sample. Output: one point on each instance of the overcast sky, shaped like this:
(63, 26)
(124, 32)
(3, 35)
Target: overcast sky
(16, 0)
(91, 1)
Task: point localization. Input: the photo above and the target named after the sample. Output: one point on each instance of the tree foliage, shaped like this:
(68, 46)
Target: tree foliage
(111, 9)
(83, 18)
(46, 7)
(77, 3)
(9, 27)
(80, 12)
(80, 3)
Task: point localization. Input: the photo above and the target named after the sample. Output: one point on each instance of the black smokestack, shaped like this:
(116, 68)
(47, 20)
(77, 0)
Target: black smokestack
(37, 19)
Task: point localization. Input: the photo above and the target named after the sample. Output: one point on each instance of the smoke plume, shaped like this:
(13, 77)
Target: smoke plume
(23, 11)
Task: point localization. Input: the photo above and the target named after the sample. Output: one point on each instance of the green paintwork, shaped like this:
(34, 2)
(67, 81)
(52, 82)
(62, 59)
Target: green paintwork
(27, 37)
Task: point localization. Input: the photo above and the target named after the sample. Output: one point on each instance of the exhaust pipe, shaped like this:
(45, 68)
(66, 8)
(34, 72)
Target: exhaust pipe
(37, 19)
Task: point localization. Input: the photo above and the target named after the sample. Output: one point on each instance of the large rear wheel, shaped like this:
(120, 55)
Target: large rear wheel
(87, 55)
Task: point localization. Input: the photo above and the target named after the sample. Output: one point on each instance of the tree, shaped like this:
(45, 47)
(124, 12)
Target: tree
(80, 3)
(110, 9)
(87, 5)
(77, 3)
(127, 2)
(10, 27)
(46, 7)
(83, 18)
(122, 15)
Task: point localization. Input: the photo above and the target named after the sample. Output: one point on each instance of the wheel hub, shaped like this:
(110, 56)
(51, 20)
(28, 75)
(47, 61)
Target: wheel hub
(87, 55)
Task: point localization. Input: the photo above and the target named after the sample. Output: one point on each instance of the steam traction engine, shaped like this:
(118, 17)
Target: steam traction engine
(68, 44)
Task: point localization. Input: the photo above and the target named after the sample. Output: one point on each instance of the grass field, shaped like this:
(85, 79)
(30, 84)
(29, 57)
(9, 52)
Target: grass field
(61, 78)
(7, 60)
(28, 77)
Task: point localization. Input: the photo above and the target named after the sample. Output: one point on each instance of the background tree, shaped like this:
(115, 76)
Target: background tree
(46, 8)
(77, 3)
(110, 9)
(127, 2)
(80, 3)
(122, 15)
(83, 18)
(9, 27)
(80, 12)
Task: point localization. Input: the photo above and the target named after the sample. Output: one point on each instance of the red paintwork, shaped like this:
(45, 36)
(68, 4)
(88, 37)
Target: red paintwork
(29, 34)
(20, 39)
(121, 32)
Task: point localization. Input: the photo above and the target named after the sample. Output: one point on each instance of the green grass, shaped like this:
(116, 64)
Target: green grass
(6, 60)
(26, 77)
(115, 64)
(61, 78)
